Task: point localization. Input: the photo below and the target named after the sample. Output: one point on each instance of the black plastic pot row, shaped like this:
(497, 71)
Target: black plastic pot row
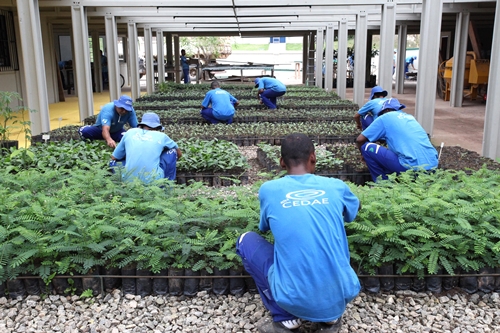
(186, 282)
(436, 284)
(213, 179)
(137, 282)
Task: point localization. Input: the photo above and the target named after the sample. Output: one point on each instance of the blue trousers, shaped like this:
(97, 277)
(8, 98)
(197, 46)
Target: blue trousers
(257, 255)
(185, 71)
(366, 121)
(95, 133)
(268, 97)
(208, 115)
(168, 162)
(380, 160)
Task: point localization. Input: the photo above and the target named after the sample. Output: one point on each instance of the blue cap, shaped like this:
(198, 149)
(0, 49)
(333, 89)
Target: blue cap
(256, 81)
(151, 119)
(378, 90)
(392, 104)
(124, 102)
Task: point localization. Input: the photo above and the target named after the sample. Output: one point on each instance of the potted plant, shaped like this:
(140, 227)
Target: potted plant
(9, 117)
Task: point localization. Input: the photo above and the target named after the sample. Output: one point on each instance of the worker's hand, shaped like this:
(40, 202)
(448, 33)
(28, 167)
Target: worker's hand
(237, 103)
(111, 143)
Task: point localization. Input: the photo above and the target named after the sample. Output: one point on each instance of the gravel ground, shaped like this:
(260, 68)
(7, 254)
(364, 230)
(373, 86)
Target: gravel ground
(402, 311)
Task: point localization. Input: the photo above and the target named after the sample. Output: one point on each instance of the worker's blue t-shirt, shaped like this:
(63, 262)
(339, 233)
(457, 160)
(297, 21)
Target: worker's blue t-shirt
(109, 117)
(311, 277)
(409, 60)
(406, 138)
(271, 83)
(222, 103)
(142, 149)
(373, 106)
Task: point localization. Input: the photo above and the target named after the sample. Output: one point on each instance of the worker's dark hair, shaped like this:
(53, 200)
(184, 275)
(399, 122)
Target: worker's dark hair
(296, 149)
(214, 84)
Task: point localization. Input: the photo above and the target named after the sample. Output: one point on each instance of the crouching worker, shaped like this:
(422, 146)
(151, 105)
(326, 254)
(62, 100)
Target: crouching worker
(149, 153)
(110, 122)
(306, 273)
(409, 145)
(370, 111)
(222, 105)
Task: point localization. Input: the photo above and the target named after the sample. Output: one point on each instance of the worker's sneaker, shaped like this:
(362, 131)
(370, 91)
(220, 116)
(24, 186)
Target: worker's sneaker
(330, 327)
(280, 326)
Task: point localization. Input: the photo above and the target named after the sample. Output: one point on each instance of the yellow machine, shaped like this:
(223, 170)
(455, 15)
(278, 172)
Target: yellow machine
(475, 77)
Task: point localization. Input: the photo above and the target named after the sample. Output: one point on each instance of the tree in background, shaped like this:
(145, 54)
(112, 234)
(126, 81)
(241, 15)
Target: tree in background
(206, 48)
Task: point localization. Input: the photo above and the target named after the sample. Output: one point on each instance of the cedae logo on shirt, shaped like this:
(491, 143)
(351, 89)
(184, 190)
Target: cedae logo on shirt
(304, 198)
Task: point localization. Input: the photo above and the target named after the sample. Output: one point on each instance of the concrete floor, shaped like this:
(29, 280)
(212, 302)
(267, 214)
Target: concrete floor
(462, 127)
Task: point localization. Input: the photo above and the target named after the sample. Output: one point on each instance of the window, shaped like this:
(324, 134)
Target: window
(8, 50)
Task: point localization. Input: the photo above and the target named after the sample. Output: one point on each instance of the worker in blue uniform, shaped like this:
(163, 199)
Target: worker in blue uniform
(306, 274)
(369, 112)
(110, 122)
(146, 152)
(268, 90)
(409, 62)
(218, 105)
(409, 147)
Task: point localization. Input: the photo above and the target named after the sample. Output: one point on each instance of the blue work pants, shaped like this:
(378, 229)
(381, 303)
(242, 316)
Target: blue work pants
(95, 133)
(257, 255)
(380, 160)
(268, 97)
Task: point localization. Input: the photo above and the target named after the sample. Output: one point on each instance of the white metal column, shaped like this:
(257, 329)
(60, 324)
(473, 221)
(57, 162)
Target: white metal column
(401, 58)
(342, 59)
(387, 28)
(319, 57)
(329, 57)
(97, 61)
(161, 55)
(148, 46)
(360, 39)
(112, 55)
(459, 57)
(133, 59)
(81, 62)
(35, 96)
(491, 138)
(430, 39)
(305, 53)
(177, 59)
